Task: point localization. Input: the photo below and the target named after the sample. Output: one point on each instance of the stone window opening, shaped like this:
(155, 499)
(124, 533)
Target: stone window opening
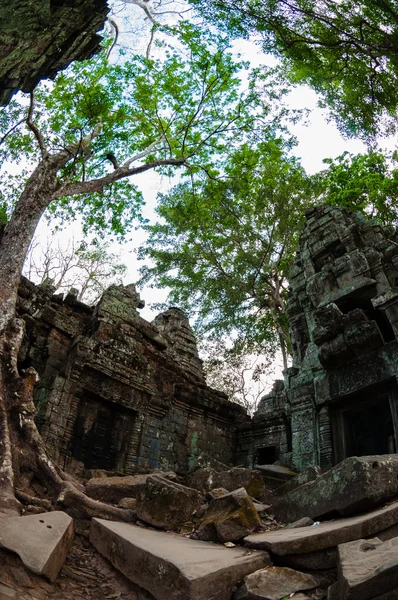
(365, 304)
(328, 255)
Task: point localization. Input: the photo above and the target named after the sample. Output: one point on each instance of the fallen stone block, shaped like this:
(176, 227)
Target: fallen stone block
(206, 479)
(367, 569)
(41, 541)
(325, 535)
(311, 561)
(113, 489)
(304, 522)
(274, 583)
(216, 493)
(229, 518)
(309, 474)
(174, 567)
(356, 484)
(166, 504)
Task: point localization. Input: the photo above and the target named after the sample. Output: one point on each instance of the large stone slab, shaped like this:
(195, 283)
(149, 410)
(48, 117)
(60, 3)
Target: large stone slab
(326, 535)
(356, 484)
(367, 569)
(274, 583)
(206, 479)
(166, 504)
(41, 541)
(174, 567)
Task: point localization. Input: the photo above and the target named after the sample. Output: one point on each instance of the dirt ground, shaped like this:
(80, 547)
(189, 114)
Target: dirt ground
(86, 575)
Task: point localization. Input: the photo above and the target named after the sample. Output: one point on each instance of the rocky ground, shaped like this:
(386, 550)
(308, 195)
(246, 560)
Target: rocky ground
(218, 534)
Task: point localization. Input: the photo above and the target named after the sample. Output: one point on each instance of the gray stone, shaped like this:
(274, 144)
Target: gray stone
(276, 471)
(274, 583)
(311, 561)
(41, 541)
(216, 493)
(166, 504)
(229, 518)
(326, 535)
(113, 489)
(174, 567)
(206, 479)
(304, 522)
(367, 569)
(354, 485)
(308, 474)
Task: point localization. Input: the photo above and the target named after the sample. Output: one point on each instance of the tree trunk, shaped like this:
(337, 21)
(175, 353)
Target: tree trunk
(23, 454)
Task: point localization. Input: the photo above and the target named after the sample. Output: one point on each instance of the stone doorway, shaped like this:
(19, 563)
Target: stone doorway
(102, 435)
(265, 456)
(364, 423)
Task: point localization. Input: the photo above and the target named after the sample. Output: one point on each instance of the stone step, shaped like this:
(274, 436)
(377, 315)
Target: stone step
(326, 535)
(172, 567)
(41, 541)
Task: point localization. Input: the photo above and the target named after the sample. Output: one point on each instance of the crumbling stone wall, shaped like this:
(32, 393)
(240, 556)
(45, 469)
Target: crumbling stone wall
(39, 38)
(341, 395)
(117, 392)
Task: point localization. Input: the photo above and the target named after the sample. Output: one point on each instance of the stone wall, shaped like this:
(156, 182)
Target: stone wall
(341, 393)
(120, 393)
(39, 38)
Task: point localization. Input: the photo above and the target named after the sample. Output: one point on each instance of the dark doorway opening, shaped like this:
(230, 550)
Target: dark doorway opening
(101, 434)
(364, 425)
(266, 455)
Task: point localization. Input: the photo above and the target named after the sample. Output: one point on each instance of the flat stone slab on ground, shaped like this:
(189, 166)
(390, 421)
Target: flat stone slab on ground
(367, 569)
(326, 535)
(173, 567)
(41, 541)
(113, 489)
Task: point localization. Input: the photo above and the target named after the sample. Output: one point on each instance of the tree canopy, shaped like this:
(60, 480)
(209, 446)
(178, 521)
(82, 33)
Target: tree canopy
(224, 244)
(347, 51)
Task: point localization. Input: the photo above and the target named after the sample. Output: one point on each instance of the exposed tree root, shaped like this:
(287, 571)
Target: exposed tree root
(23, 455)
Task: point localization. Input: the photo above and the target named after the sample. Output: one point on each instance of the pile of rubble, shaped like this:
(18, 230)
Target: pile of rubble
(221, 533)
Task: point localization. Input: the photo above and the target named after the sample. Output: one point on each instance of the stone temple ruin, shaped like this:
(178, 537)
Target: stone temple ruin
(340, 395)
(119, 393)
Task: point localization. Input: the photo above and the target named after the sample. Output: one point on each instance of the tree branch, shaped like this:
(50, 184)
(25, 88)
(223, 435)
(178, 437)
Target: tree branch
(34, 129)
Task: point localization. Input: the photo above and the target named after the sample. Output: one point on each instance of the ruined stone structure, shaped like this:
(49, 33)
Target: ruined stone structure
(340, 395)
(41, 37)
(117, 392)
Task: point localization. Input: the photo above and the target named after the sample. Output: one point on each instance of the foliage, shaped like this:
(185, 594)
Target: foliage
(365, 182)
(224, 245)
(182, 110)
(346, 50)
(89, 268)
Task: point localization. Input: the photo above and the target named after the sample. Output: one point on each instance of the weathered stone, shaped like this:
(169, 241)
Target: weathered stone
(205, 461)
(173, 567)
(41, 541)
(304, 522)
(38, 39)
(229, 518)
(274, 583)
(113, 489)
(166, 504)
(356, 484)
(309, 474)
(311, 561)
(206, 479)
(276, 472)
(261, 508)
(325, 535)
(367, 569)
(129, 503)
(216, 493)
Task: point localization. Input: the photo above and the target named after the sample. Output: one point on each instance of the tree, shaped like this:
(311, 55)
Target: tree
(243, 377)
(83, 139)
(346, 50)
(224, 245)
(89, 268)
(366, 183)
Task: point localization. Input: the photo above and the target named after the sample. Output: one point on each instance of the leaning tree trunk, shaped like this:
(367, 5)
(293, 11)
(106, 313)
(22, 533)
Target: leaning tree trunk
(23, 455)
